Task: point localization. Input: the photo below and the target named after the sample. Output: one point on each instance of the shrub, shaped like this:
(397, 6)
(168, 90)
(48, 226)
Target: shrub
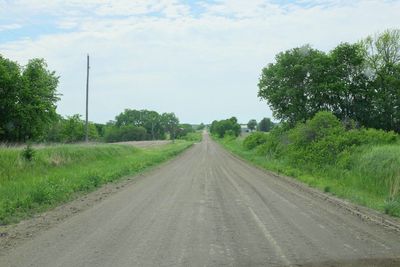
(124, 133)
(254, 140)
(28, 153)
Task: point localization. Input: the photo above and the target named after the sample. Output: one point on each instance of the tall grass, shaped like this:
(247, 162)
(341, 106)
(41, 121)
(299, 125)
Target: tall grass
(57, 173)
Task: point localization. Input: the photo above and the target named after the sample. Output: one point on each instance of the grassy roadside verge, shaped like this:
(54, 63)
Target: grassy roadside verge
(56, 174)
(358, 183)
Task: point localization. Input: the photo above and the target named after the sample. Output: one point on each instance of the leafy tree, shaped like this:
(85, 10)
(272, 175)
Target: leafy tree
(27, 100)
(170, 123)
(10, 86)
(201, 127)
(358, 83)
(265, 125)
(184, 129)
(252, 124)
(224, 127)
(383, 59)
(150, 120)
(70, 130)
(290, 86)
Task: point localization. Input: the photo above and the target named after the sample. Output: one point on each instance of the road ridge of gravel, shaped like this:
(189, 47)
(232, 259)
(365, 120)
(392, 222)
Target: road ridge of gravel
(364, 213)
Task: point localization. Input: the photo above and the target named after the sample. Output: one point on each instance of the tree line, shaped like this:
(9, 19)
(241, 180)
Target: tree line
(28, 98)
(359, 82)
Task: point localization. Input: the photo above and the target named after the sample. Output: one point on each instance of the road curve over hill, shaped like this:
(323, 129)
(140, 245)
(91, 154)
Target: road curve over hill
(207, 208)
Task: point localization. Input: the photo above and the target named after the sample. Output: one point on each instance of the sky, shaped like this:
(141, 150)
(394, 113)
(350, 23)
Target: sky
(199, 59)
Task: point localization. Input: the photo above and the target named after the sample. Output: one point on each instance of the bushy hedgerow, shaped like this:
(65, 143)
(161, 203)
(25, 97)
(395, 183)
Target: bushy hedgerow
(255, 139)
(320, 140)
(124, 133)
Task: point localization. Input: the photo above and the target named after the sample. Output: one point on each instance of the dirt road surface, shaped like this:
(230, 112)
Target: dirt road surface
(207, 208)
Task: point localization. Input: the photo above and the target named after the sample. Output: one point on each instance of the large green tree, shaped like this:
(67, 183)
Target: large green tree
(383, 59)
(289, 85)
(357, 82)
(28, 100)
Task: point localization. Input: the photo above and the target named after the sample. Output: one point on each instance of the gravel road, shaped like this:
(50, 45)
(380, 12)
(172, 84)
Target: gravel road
(207, 208)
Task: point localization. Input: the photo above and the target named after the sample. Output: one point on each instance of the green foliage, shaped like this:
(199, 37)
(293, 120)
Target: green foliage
(265, 125)
(153, 122)
(27, 100)
(362, 165)
(71, 130)
(183, 130)
(200, 127)
(383, 64)
(193, 136)
(28, 153)
(379, 167)
(356, 82)
(254, 140)
(58, 173)
(225, 127)
(170, 123)
(365, 172)
(124, 133)
(252, 124)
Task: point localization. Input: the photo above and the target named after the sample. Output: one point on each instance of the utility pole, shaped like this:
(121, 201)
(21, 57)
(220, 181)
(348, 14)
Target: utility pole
(87, 101)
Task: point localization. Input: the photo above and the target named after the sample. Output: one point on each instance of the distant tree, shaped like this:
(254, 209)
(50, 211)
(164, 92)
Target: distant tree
(252, 124)
(170, 123)
(150, 120)
(265, 125)
(124, 133)
(184, 129)
(201, 127)
(225, 127)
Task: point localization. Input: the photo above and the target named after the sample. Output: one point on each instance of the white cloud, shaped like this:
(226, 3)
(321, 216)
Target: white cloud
(203, 67)
(10, 27)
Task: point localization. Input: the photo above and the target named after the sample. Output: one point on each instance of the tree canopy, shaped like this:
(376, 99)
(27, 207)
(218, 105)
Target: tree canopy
(252, 124)
(359, 82)
(225, 127)
(265, 125)
(28, 100)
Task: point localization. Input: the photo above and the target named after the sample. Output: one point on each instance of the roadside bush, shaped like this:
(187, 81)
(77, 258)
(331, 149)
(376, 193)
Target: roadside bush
(321, 140)
(124, 133)
(28, 153)
(255, 139)
(196, 136)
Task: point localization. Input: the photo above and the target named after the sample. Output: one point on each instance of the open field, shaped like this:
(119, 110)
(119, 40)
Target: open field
(57, 173)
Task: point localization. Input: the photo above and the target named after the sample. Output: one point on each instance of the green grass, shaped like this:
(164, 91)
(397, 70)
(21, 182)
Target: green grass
(59, 173)
(368, 175)
(194, 137)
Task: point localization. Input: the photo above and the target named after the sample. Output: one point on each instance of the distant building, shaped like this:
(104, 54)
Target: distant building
(244, 129)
